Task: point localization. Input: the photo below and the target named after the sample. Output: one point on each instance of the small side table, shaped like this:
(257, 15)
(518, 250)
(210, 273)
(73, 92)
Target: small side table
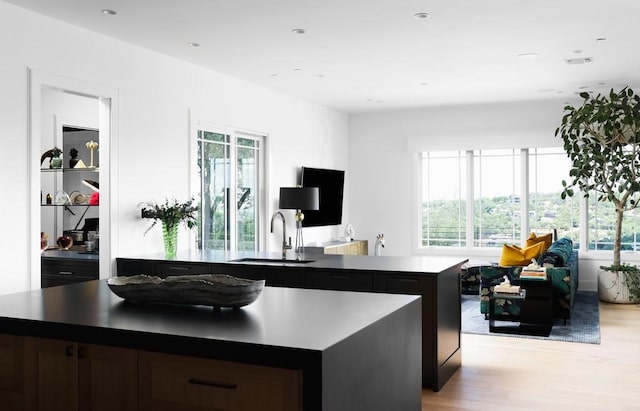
(536, 309)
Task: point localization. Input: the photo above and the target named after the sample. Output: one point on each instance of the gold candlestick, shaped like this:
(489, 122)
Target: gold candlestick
(91, 145)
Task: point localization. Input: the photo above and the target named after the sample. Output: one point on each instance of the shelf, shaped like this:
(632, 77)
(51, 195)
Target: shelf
(69, 205)
(71, 170)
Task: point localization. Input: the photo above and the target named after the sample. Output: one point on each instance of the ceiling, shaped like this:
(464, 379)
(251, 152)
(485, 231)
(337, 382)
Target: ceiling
(372, 55)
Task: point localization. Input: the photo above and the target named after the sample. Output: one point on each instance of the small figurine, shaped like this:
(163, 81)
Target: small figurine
(74, 158)
(91, 145)
(52, 154)
(379, 244)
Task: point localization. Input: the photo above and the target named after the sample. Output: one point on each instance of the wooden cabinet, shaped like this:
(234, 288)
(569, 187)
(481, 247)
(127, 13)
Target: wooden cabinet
(11, 372)
(355, 247)
(61, 271)
(339, 280)
(171, 382)
(65, 375)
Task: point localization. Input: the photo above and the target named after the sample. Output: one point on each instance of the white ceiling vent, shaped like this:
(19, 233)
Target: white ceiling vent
(579, 60)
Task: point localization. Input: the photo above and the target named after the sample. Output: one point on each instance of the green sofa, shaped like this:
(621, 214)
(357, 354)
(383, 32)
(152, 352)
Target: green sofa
(561, 261)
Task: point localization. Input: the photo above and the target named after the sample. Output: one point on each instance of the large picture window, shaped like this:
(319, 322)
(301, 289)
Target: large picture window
(485, 198)
(230, 173)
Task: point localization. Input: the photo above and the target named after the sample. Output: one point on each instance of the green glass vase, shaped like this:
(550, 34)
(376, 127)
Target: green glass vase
(170, 237)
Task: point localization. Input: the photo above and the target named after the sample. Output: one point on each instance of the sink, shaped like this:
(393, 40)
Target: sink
(271, 261)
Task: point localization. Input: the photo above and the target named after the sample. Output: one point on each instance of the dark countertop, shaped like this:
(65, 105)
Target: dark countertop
(297, 319)
(405, 264)
(70, 254)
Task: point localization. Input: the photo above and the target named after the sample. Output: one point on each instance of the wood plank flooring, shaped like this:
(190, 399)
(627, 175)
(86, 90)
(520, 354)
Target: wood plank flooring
(503, 373)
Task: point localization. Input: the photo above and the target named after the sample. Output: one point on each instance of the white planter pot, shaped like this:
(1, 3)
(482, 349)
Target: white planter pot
(612, 287)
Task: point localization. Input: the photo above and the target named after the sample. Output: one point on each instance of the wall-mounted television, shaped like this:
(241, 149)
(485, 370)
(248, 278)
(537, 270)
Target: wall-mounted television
(331, 186)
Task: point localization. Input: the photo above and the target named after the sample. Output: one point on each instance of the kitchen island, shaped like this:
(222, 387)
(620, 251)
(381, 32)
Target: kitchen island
(290, 349)
(436, 279)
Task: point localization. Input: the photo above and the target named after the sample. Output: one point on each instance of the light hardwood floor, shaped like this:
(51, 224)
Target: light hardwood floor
(502, 373)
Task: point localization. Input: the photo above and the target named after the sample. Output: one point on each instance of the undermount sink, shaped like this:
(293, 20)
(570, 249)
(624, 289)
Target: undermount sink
(271, 260)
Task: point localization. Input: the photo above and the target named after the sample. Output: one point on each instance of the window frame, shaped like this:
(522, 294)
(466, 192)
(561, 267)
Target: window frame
(470, 248)
(235, 133)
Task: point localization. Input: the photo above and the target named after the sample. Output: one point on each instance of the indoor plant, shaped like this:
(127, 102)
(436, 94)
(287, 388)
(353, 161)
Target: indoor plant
(602, 140)
(171, 214)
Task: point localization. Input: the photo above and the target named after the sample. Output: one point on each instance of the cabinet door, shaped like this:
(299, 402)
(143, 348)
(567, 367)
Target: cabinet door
(64, 375)
(108, 378)
(167, 268)
(11, 372)
(125, 266)
(339, 280)
(176, 383)
(52, 375)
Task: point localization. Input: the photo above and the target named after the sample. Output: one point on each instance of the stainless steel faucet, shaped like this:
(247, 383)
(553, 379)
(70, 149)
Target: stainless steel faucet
(285, 246)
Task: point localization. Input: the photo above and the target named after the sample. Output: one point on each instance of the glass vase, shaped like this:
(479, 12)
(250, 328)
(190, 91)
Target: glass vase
(170, 237)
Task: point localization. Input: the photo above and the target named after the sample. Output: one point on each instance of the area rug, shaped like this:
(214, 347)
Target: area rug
(584, 326)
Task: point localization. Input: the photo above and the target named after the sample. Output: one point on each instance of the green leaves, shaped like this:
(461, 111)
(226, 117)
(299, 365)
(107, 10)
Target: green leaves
(601, 139)
(171, 212)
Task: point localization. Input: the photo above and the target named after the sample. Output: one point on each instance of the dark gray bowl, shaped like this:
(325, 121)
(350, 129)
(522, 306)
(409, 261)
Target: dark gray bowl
(216, 290)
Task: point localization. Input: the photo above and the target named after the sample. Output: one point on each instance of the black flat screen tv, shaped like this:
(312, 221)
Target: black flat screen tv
(331, 186)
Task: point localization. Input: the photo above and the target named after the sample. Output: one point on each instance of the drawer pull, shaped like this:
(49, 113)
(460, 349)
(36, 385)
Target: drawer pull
(405, 280)
(68, 350)
(178, 268)
(65, 272)
(226, 385)
(340, 277)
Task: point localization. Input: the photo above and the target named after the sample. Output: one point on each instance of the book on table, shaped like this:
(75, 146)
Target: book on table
(534, 274)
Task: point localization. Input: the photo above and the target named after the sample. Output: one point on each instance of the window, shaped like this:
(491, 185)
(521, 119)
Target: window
(444, 199)
(230, 172)
(547, 211)
(496, 213)
(512, 192)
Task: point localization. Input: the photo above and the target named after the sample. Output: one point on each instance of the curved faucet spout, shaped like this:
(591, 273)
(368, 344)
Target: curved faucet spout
(285, 246)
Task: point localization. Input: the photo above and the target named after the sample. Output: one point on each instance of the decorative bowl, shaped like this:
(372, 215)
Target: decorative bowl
(216, 290)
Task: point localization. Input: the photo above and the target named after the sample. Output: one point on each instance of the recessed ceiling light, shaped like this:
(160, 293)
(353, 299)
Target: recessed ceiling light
(422, 15)
(109, 12)
(193, 44)
(298, 31)
(528, 56)
(579, 60)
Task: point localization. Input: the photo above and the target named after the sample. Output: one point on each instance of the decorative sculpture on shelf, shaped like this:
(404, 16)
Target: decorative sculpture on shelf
(74, 158)
(53, 154)
(379, 244)
(91, 145)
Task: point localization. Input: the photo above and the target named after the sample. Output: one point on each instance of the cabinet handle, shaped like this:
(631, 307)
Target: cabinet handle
(65, 272)
(405, 280)
(68, 351)
(178, 268)
(340, 277)
(82, 352)
(225, 385)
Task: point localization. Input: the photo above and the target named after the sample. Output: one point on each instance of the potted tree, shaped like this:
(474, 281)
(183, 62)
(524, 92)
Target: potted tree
(602, 140)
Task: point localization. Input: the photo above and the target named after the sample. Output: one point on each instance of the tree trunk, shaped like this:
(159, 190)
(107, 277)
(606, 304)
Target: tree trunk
(618, 237)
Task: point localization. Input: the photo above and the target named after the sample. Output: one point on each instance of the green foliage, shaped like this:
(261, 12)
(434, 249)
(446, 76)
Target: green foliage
(171, 212)
(601, 138)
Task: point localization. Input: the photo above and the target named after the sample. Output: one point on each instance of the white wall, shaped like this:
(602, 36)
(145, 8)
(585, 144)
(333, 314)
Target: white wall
(155, 95)
(383, 153)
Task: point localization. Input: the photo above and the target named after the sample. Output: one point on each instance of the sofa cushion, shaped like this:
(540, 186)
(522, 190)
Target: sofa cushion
(547, 239)
(512, 255)
(558, 253)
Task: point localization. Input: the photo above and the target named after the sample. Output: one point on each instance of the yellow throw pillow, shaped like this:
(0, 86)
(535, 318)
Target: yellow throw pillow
(547, 239)
(512, 255)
